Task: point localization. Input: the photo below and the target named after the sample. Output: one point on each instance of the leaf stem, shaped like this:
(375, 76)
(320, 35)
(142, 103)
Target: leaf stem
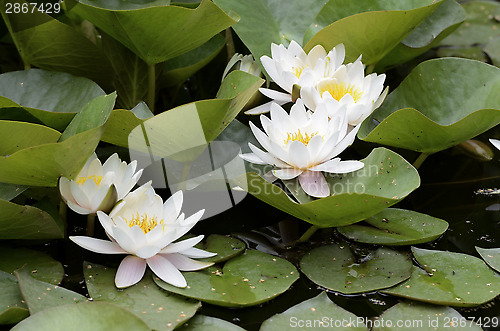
(370, 68)
(63, 210)
(151, 87)
(418, 162)
(90, 225)
(229, 44)
(308, 234)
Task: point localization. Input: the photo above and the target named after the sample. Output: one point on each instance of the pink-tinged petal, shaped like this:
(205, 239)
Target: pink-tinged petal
(98, 245)
(182, 245)
(287, 173)
(79, 209)
(166, 271)
(336, 166)
(495, 143)
(130, 271)
(299, 155)
(252, 158)
(197, 253)
(184, 263)
(275, 95)
(314, 184)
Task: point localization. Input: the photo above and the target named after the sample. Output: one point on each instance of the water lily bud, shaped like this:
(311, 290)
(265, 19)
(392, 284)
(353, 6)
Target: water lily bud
(476, 149)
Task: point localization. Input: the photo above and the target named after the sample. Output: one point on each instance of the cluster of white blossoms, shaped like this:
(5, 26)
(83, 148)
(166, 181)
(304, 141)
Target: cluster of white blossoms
(138, 223)
(331, 101)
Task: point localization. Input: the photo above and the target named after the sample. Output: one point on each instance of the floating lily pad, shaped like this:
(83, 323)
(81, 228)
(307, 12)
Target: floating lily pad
(16, 136)
(159, 309)
(42, 165)
(396, 227)
(41, 266)
(491, 256)
(10, 191)
(447, 278)
(305, 314)
(246, 280)
(385, 179)
(155, 32)
(472, 53)
(264, 22)
(12, 307)
(51, 97)
(417, 316)
(493, 50)
(453, 110)
(226, 247)
(334, 267)
(85, 316)
(357, 31)
(207, 323)
(40, 295)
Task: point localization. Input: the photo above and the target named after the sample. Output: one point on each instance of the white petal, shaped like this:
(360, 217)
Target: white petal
(197, 253)
(79, 209)
(381, 98)
(130, 271)
(275, 95)
(166, 271)
(98, 245)
(314, 184)
(129, 239)
(146, 252)
(252, 158)
(65, 190)
(262, 109)
(299, 155)
(338, 167)
(495, 143)
(182, 245)
(287, 173)
(184, 263)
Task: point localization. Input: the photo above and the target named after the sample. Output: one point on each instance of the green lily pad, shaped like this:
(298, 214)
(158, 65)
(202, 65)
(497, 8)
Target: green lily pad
(471, 52)
(42, 165)
(493, 50)
(226, 247)
(308, 313)
(180, 68)
(334, 267)
(10, 191)
(12, 306)
(16, 136)
(356, 32)
(41, 266)
(157, 308)
(491, 256)
(86, 316)
(28, 222)
(418, 316)
(453, 110)
(70, 52)
(40, 295)
(264, 21)
(208, 323)
(447, 278)
(395, 227)
(246, 280)
(155, 32)
(385, 179)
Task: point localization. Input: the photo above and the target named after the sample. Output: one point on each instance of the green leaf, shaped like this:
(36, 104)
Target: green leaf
(226, 247)
(16, 136)
(372, 34)
(180, 68)
(454, 109)
(447, 278)
(264, 21)
(469, 52)
(246, 280)
(51, 97)
(51, 45)
(87, 316)
(40, 295)
(40, 265)
(423, 317)
(12, 307)
(491, 256)
(395, 227)
(93, 115)
(207, 323)
(158, 309)
(312, 310)
(493, 50)
(385, 179)
(43, 165)
(10, 191)
(120, 124)
(334, 267)
(156, 33)
(27, 222)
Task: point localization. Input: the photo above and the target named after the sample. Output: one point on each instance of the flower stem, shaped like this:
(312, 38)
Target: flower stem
(90, 225)
(63, 210)
(308, 234)
(151, 87)
(418, 162)
(370, 68)
(229, 44)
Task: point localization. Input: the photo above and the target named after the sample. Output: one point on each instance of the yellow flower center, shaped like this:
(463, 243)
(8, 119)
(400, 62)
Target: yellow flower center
(299, 137)
(144, 221)
(82, 180)
(338, 90)
(297, 71)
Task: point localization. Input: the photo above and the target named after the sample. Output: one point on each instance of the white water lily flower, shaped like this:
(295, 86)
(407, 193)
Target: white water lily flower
(288, 67)
(244, 63)
(304, 144)
(495, 143)
(346, 85)
(145, 227)
(99, 186)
